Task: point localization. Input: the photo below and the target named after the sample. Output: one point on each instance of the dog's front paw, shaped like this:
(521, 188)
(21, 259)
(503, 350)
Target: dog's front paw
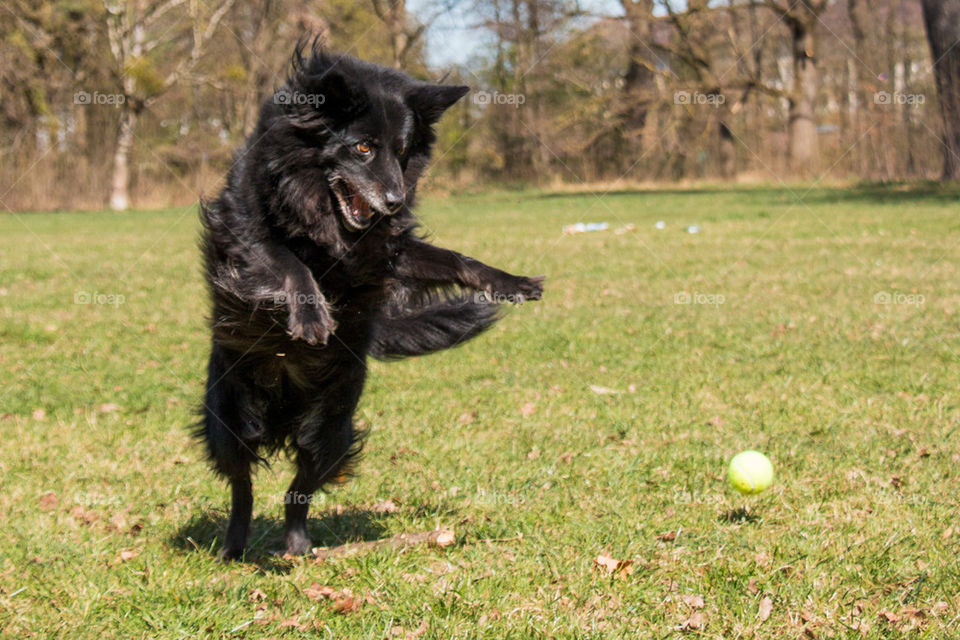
(531, 288)
(518, 289)
(311, 323)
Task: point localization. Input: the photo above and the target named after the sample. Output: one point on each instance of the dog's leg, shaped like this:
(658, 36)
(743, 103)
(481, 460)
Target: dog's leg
(238, 528)
(432, 265)
(326, 444)
(297, 500)
(274, 275)
(231, 431)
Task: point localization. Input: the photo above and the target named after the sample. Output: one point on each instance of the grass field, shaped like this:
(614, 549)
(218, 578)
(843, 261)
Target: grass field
(818, 326)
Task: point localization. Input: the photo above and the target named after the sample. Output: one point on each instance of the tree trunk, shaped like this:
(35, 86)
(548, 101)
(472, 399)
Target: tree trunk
(398, 32)
(120, 181)
(639, 87)
(804, 148)
(942, 19)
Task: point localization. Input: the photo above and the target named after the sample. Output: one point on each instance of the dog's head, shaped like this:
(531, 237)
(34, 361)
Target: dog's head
(367, 129)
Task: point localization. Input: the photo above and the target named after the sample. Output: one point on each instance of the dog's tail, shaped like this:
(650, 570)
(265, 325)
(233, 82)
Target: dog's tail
(415, 331)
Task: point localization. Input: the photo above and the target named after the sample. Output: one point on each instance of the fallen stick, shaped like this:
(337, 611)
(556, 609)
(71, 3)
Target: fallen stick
(439, 538)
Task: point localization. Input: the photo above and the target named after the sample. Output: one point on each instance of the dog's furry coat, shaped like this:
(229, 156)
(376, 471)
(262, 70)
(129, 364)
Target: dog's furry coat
(313, 263)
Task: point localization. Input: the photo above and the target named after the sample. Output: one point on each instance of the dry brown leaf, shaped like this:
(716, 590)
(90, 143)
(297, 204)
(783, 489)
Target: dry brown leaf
(622, 568)
(292, 622)
(467, 417)
(128, 554)
(343, 601)
(86, 517)
(528, 409)
(606, 562)
(694, 600)
(419, 631)
(566, 457)
(915, 617)
(49, 501)
(669, 536)
(693, 623)
(317, 591)
(387, 506)
(947, 533)
(766, 608)
(939, 608)
(256, 596)
(108, 407)
(39, 414)
(534, 454)
(347, 604)
(889, 616)
(752, 586)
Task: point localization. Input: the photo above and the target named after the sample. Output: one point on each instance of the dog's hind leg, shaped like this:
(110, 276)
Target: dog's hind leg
(326, 444)
(232, 436)
(241, 509)
(297, 504)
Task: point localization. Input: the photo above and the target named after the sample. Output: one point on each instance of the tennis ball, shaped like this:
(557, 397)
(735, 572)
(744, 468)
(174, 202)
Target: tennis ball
(750, 472)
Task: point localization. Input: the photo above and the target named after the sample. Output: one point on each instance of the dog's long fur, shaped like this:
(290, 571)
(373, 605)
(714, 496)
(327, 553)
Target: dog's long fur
(314, 263)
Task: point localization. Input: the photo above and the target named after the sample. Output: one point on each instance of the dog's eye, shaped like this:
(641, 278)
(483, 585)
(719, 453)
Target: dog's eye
(402, 150)
(364, 148)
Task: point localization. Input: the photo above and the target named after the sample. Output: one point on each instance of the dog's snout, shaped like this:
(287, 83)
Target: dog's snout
(393, 198)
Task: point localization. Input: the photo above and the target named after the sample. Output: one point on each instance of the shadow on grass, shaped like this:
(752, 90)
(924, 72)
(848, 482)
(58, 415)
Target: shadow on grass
(740, 515)
(203, 533)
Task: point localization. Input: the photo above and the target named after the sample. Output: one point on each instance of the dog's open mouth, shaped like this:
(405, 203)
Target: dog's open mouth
(357, 212)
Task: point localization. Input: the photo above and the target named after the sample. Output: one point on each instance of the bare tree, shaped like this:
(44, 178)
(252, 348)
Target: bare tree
(801, 17)
(135, 28)
(404, 33)
(639, 88)
(942, 19)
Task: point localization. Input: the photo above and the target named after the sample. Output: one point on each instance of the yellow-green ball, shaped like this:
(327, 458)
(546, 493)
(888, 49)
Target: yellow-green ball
(750, 472)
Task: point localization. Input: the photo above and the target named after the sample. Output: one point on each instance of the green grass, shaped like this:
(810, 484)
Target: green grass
(111, 521)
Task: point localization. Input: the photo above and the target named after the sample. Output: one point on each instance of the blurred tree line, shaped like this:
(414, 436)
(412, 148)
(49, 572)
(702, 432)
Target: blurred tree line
(120, 102)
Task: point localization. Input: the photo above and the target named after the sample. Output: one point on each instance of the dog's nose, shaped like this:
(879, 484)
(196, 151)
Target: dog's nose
(393, 198)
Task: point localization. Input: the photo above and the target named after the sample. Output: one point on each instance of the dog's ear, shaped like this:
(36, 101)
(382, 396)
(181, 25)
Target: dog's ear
(317, 87)
(429, 101)
(339, 94)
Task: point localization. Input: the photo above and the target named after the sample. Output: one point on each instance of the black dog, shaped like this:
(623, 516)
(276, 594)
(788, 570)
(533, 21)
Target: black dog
(313, 263)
